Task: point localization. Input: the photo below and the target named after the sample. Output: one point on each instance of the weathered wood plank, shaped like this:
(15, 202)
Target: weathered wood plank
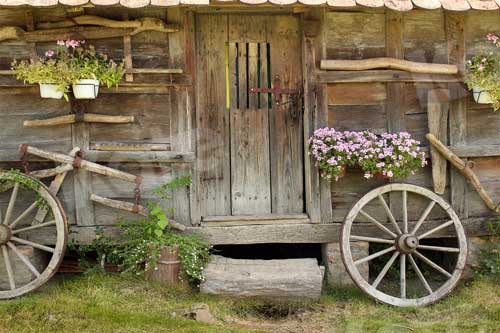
(286, 130)
(250, 167)
(213, 152)
(357, 94)
(455, 36)
(438, 109)
(139, 156)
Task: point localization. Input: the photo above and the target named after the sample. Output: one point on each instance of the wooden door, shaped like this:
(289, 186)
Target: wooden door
(249, 148)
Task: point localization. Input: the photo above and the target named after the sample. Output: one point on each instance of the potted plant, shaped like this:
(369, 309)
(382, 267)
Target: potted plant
(391, 155)
(147, 245)
(90, 69)
(483, 75)
(51, 73)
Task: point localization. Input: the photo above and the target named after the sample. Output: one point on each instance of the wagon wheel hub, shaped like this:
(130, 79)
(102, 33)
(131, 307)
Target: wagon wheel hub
(5, 234)
(406, 243)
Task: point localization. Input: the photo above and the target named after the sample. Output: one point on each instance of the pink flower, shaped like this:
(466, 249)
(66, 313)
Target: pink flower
(492, 38)
(61, 43)
(49, 53)
(480, 67)
(390, 174)
(72, 43)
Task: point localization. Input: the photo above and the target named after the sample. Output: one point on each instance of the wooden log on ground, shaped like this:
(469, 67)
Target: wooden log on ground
(129, 207)
(437, 116)
(464, 168)
(89, 166)
(87, 118)
(388, 63)
(267, 279)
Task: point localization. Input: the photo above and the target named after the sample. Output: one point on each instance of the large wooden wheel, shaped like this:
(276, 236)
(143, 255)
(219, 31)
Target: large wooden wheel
(18, 233)
(412, 242)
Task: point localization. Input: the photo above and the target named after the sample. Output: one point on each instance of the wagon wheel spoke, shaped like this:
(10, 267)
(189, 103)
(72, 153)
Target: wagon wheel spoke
(372, 239)
(422, 217)
(378, 224)
(23, 215)
(436, 229)
(405, 212)
(384, 270)
(375, 255)
(25, 260)
(33, 227)
(389, 214)
(35, 245)
(11, 205)
(420, 275)
(402, 275)
(8, 267)
(433, 264)
(438, 248)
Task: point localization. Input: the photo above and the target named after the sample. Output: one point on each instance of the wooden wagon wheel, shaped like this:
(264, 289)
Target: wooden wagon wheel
(13, 232)
(403, 240)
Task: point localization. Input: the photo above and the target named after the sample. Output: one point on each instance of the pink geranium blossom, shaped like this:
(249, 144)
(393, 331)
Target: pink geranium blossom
(49, 53)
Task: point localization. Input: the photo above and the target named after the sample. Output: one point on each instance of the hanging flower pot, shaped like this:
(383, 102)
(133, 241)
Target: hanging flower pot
(86, 89)
(482, 96)
(48, 90)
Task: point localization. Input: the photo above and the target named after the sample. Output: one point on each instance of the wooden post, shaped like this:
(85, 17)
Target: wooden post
(127, 53)
(82, 179)
(455, 37)
(437, 113)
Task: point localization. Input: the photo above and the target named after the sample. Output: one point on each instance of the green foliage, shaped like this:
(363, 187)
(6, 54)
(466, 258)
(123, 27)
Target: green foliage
(138, 248)
(483, 72)
(44, 71)
(489, 256)
(8, 178)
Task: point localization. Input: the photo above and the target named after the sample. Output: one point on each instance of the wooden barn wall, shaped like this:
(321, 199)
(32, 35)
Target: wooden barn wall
(161, 115)
(375, 106)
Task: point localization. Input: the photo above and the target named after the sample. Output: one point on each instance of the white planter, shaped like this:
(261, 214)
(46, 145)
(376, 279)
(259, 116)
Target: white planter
(50, 91)
(86, 89)
(481, 96)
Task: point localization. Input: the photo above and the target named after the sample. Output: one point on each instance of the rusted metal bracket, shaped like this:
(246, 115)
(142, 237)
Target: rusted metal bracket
(276, 90)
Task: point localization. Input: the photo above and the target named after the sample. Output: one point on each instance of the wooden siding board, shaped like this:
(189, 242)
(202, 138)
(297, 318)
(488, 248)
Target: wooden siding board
(286, 130)
(213, 122)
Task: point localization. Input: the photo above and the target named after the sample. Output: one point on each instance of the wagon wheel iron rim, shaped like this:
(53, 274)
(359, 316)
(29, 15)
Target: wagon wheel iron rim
(404, 243)
(13, 237)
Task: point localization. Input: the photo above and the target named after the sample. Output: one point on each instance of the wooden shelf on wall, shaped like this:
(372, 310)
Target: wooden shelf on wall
(382, 76)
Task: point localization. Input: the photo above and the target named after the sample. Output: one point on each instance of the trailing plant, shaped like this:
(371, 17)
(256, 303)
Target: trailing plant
(483, 71)
(391, 155)
(9, 177)
(138, 248)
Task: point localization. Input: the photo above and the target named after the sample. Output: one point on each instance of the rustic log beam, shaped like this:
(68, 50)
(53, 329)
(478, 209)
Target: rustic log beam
(388, 63)
(381, 76)
(89, 166)
(46, 173)
(11, 33)
(71, 119)
(129, 207)
(129, 70)
(466, 171)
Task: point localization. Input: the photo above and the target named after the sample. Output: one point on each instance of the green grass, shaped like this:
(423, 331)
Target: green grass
(111, 303)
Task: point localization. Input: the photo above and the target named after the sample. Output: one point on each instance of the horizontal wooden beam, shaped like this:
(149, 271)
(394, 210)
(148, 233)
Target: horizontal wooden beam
(388, 63)
(139, 156)
(71, 119)
(312, 233)
(476, 150)
(381, 76)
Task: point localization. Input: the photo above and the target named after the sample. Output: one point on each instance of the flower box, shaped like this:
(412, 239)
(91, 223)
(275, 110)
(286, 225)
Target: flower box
(86, 89)
(48, 90)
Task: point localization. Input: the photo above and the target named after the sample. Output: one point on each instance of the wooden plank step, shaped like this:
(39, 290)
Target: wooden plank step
(255, 219)
(265, 279)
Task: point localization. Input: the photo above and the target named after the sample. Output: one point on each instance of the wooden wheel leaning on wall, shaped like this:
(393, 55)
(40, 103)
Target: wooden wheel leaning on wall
(14, 239)
(407, 241)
